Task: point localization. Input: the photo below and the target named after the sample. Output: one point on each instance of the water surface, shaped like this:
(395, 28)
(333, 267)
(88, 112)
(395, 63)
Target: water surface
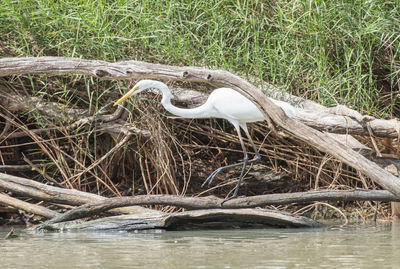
(366, 246)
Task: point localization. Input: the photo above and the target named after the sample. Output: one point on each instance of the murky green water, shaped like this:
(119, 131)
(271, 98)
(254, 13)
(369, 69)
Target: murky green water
(372, 246)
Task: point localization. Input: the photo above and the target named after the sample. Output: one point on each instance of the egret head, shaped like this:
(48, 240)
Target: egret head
(139, 87)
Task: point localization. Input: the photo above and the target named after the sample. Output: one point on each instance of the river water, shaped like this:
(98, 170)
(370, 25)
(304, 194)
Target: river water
(355, 246)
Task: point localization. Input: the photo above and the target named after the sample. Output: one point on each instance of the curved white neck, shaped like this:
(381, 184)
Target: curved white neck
(197, 112)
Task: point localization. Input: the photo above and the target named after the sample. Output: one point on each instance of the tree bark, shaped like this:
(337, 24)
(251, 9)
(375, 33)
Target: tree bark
(198, 219)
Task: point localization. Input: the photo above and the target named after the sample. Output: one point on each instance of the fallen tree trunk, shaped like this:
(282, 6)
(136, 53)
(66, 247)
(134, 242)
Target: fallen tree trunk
(273, 114)
(340, 124)
(199, 219)
(212, 202)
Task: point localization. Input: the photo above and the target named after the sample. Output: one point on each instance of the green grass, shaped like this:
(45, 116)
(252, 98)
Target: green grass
(330, 51)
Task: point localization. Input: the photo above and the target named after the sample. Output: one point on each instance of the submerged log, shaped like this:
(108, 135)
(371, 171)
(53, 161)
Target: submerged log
(199, 219)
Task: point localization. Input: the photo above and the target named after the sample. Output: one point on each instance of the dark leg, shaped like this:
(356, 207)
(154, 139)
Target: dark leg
(211, 177)
(243, 164)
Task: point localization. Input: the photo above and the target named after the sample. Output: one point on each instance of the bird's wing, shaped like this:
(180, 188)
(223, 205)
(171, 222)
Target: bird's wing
(231, 105)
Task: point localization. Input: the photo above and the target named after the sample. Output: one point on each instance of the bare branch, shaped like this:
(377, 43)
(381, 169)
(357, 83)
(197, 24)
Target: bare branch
(30, 208)
(43, 192)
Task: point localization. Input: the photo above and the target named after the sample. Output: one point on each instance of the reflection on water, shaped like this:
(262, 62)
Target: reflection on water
(351, 247)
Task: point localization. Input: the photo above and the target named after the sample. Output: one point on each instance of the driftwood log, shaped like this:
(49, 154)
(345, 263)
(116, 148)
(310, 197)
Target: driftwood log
(199, 219)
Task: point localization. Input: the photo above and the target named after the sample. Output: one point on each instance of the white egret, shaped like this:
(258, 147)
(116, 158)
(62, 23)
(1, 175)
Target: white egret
(222, 103)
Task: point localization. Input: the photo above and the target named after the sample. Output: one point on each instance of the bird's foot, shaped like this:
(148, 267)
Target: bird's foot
(211, 177)
(230, 198)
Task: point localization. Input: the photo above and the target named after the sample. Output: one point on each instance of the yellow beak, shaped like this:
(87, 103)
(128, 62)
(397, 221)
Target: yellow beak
(127, 95)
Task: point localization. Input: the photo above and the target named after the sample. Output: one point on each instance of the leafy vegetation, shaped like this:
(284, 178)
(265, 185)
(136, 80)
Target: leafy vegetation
(330, 51)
